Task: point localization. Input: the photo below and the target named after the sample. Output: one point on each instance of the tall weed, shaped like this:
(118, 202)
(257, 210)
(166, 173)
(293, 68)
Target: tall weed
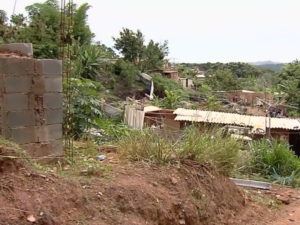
(210, 145)
(146, 146)
(275, 160)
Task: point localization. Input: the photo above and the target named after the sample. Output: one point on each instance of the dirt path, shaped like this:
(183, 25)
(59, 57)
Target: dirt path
(290, 215)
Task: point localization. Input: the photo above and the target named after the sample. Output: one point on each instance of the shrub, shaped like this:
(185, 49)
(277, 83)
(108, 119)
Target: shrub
(85, 104)
(161, 84)
(274, 160)
(212, 146)
(209, 147)
(145, 146)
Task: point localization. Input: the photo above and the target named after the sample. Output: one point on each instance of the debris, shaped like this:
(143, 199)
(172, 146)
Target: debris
(174, 180)
(284, 199)
(182, 222)
(67, 167)
(251, 183)
(31, 218)
(55, 170)
(101, 157)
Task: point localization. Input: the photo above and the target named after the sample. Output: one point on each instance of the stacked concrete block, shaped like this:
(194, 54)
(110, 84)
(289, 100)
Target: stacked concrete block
(31, 104)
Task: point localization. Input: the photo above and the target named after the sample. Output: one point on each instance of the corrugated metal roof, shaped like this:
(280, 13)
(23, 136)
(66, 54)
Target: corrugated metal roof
(151, 108)
(235, 119)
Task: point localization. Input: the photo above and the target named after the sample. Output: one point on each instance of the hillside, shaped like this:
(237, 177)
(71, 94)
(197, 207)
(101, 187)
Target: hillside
(274, 67)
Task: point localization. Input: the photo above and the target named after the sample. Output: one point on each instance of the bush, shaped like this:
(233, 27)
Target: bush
(85, 104)
(127, 71)
(208, 147)
(161, 84)
(274, 160)
(211, 146)
(145, 146)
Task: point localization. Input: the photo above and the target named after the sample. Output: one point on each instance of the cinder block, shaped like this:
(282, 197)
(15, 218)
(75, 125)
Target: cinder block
(50, 132)
(25, 48)
(54, 147)
(38, 86)
(15, 101)
(13, 84)
(13, 66)
(54, 116)
(53, 100)
(20, 119)
(29, 66)
(53, 84)
(52, 67)
(24, 135)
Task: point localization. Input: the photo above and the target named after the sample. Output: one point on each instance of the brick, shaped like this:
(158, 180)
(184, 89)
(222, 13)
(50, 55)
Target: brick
(53, 84)
(13, 84)
(52, 67)
(54, 116)
(53, 100)
(15, 101)
(24, 135)
(25, 48)
(54, 147)
(38, 85)
(20, 119)
(50, 132)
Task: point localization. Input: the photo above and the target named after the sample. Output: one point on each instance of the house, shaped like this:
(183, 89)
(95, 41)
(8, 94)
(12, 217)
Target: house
(200, 77)
(170, 73)
(186, 82)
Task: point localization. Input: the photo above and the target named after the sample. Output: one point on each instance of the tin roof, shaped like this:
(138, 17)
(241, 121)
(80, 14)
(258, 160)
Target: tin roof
(151, 108)
(235, 119)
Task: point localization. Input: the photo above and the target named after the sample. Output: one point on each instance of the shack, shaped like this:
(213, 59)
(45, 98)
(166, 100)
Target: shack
(278, 128)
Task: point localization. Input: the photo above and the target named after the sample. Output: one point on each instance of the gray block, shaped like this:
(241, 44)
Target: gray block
(52, 67)
(54, 116)
(53, 84)
(25, 48)
(13, 84)
(53, 100)
(54, 147)
(29, 66)
(24, 135)
(15, 101)
(50, 132)
(38, 85)
(13, 66)
(20, 119)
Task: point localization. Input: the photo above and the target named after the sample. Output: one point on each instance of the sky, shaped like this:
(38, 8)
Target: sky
(200, 31)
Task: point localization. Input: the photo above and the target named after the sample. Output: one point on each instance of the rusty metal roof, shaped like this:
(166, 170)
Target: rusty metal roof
(235, 119)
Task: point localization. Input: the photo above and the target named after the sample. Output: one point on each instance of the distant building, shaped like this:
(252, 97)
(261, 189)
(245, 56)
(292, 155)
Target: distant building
(186, 82)
(200, 77)
(170, 73)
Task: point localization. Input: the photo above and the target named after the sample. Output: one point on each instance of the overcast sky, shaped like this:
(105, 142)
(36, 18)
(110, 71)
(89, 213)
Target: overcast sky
(200, 30)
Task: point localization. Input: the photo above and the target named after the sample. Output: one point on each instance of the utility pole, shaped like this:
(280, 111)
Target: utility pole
(14, 7)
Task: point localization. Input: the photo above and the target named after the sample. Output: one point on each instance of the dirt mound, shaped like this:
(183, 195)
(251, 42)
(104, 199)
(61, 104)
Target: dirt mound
(12, 160)
(132, 194)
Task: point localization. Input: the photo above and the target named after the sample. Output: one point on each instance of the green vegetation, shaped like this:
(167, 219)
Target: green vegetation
(274, 160)
(211, 147)
(100, 71)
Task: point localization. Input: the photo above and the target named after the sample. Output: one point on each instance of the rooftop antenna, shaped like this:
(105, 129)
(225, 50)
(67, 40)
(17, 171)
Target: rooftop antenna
(15, 7)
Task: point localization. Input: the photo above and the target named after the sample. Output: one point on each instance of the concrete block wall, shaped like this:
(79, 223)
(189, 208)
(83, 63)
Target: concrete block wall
(31, 104)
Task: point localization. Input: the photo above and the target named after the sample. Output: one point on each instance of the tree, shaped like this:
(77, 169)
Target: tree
(127, 70)
(154, 55)
(81, 30)
(222, 80)
(131, 45)
(289, 79)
